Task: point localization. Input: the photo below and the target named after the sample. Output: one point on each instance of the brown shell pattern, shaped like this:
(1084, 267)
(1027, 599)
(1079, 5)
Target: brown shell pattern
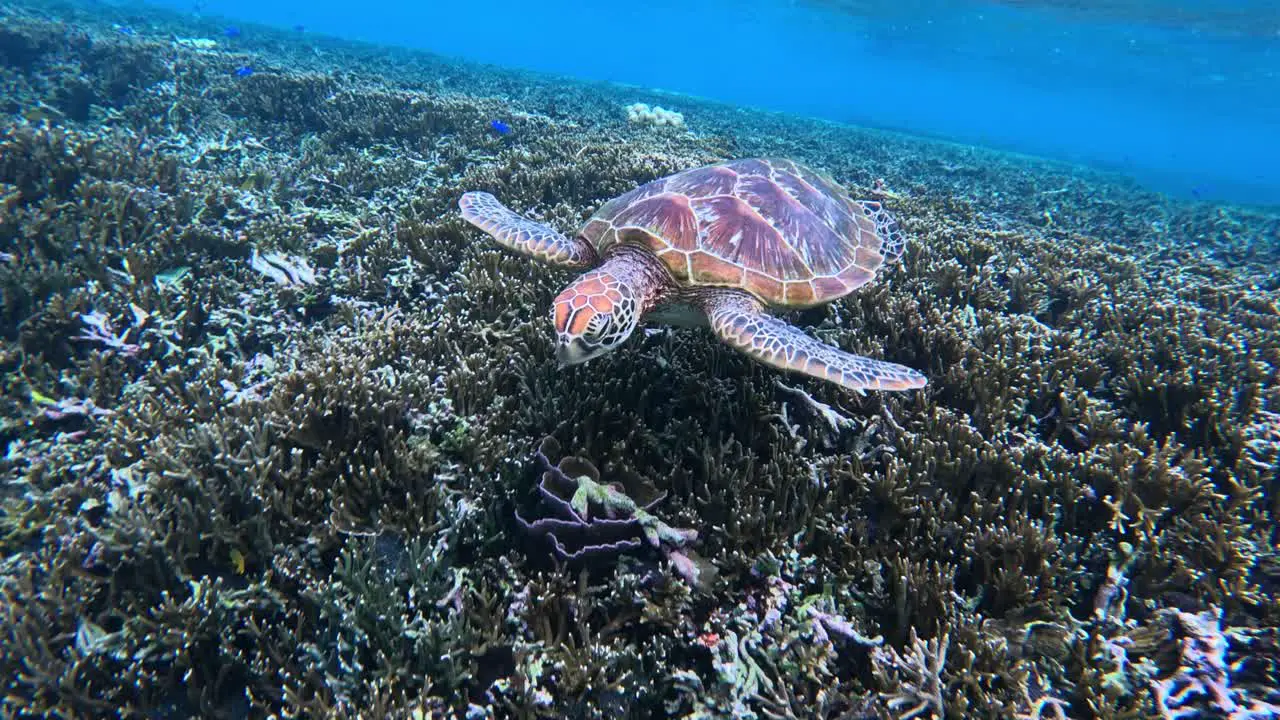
(775, 228)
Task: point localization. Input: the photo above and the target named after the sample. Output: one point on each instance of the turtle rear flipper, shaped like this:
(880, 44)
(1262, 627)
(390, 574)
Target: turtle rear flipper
(523, 235)
(741, 323)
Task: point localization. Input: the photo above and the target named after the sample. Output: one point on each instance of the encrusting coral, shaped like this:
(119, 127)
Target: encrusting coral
(272, 414)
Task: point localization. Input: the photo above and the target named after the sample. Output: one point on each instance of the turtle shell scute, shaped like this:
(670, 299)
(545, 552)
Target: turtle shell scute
(783, 232)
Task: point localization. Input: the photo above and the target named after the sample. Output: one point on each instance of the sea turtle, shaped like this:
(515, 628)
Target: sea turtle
(718, 245)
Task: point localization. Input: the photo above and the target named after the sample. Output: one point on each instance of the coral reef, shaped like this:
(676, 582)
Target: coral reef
(274, 416)
(594, 518)
(657, 115)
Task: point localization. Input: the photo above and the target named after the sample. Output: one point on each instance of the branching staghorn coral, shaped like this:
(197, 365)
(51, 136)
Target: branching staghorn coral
(918, 674)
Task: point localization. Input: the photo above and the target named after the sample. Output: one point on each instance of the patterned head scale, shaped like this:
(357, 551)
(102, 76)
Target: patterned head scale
(777, 229)
(595, 314)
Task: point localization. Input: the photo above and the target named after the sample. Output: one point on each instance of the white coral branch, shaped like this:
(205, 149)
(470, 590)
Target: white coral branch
(918, 674)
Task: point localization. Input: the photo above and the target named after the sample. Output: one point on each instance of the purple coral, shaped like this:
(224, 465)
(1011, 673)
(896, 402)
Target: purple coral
(589, 518)
(283, 269)
(74, 407)
(1203, 671)
(99, 329)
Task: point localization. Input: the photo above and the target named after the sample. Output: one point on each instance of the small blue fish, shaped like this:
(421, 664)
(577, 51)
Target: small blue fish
(231, 31)
(500, 127)
(299, 28)
(125, 30)
(244, 71)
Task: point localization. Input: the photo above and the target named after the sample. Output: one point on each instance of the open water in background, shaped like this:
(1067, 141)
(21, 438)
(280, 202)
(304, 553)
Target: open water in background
(1183, 95)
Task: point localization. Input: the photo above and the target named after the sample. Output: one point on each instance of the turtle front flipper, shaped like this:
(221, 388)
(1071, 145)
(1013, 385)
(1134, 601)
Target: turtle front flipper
(741, 322)
(523, 235)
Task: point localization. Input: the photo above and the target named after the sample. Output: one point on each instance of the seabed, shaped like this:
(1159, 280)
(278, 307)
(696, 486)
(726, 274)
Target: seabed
(274, 415)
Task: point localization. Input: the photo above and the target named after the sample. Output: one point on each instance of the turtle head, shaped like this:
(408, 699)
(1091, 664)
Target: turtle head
(593, 315)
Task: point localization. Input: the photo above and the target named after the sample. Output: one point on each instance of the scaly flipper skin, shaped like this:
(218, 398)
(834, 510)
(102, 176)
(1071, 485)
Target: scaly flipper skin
(523, 235)
(741, 322)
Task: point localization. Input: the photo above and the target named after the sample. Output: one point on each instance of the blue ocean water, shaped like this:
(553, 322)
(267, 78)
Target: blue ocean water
(1182, 95)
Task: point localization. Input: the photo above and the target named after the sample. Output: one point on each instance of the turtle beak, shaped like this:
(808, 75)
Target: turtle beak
(573, 350)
